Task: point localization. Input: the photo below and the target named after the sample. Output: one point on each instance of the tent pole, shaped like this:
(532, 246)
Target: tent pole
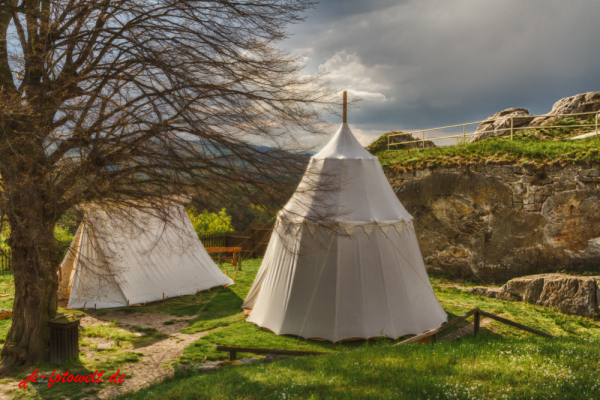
(345, 106)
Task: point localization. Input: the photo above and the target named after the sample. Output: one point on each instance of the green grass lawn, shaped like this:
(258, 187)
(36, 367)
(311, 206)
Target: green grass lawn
(502, 362)
(473, 368)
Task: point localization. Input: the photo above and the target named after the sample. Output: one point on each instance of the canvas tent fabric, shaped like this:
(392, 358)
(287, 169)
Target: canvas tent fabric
(358, 274)
(130, 257)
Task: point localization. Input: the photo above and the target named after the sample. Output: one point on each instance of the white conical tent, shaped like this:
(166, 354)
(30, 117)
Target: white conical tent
(137, 257)
(363, 278)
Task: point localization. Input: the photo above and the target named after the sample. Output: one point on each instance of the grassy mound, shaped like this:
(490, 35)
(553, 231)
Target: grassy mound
(529, 148)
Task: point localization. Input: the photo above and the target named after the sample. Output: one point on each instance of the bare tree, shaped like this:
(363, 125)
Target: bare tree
(130, 100)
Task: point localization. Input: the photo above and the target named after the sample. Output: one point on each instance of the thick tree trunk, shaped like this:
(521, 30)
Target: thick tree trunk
(33, 259)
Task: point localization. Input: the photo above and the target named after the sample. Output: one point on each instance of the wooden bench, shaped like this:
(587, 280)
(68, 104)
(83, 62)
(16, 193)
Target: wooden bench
(235, 250)
(233, 350)
(6, 314)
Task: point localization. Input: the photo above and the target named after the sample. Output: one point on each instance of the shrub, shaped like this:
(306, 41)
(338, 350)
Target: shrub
(209, 223)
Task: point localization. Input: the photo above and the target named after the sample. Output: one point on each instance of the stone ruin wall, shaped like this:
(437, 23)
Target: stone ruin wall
(496, 222)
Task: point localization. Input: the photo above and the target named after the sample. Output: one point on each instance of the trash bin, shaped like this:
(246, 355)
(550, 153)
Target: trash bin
(64, 339)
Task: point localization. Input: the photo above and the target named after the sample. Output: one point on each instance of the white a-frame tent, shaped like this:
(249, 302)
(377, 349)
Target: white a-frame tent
(361, 279)
(131, 257)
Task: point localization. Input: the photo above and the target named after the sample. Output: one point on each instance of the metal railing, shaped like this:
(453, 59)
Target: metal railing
(512, 128)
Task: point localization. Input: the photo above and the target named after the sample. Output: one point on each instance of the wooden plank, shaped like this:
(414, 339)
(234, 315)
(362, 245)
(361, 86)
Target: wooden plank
(76, 334)
(441, 328)
(55, 341)
(516, 324)
(256, 350)
(72, 342)
(223, 249)
(63, 346)
(75, 342)
(52, 347)
(69, 352)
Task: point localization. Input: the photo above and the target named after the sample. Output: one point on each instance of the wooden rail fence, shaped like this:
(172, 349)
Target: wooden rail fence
(5, 262)
(213, 240)
(253, 241)
(233, 350)
(432, 335)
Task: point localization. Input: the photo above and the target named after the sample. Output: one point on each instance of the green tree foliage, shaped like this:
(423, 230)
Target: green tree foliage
(259, 207)
(263, 214)
(63, 237)
(208, 223)
(61, 234)
(4, 234)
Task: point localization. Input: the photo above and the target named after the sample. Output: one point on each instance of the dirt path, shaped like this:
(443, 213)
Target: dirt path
(154, 364)
(145, 320)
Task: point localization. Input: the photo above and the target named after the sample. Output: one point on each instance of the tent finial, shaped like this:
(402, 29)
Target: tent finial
(345, 105)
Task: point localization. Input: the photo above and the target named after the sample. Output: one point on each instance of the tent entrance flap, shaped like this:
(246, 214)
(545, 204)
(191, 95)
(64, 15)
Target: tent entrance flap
(69, 264)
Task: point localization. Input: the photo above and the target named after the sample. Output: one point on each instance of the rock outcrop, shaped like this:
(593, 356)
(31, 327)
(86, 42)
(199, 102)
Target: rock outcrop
(496, 222)
(493, 127)
(400, 142)
(581, 103)
(575, 295)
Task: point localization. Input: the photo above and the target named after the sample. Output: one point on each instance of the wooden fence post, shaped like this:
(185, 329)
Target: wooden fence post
(476, 323)
(511, 128)
(239, 261)
(220, 258)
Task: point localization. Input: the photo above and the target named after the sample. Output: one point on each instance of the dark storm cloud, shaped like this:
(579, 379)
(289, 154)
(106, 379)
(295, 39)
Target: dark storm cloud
(428, 63)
